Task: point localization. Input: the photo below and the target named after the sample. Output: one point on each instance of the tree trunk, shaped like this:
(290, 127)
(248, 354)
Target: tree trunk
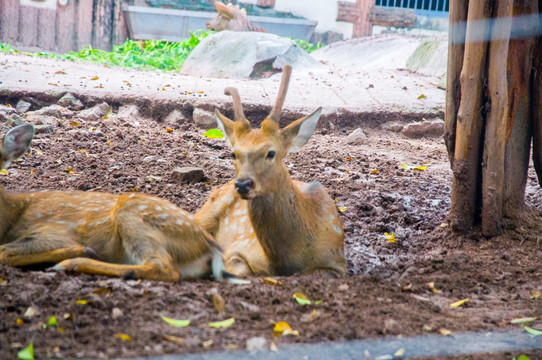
(494, 103)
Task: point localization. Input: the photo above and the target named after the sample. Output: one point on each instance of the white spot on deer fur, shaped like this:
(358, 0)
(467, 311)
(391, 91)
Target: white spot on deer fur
(163, 216)
(190, 216)
(228, 199)
(158, 208)
(131, 196)
(337, 229)
(240, 212)
(172, 207)
(179, 222)
(141, 207)
(100, 222)
(38, 215)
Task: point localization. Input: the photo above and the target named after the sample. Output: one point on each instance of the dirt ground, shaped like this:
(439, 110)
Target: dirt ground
(392, 289)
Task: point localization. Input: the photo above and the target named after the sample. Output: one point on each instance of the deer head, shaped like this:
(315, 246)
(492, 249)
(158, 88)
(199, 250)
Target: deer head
(15, 143)
(258, 153)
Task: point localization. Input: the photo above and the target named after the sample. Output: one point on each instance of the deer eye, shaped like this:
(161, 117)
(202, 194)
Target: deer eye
(270, 155)
(233, 156)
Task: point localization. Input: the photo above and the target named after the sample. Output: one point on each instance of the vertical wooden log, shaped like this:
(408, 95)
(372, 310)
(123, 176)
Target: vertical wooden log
(47, 29)
(119, 31)
(364, 27)
(28, 26)
(497, 120)
(9, 20)
(470, 120)
(65, 28)
(518, 129)
(456, 48)
(101, 38)
(83, 23)
(536, 107)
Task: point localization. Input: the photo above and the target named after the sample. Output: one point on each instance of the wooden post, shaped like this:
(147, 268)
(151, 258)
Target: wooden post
(9, 20)
(537, 110)
(101, 38)
(65, 34)
(28, 25)
(83, 23)
(358, 14)
(47, 30)
(119, 31)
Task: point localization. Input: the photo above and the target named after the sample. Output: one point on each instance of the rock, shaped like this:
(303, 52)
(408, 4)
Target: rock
(94, 113)
(229, 54)
(35, 119)
(187, 174)
(427, 128)
(23, 106)
(174, 119)
(44, 129)
(204, 119)
(356, 137)
(14, 120)
(257, 343)
(52, 110)
(150, 158)
(250, 307)
(392, 126)
(116, 313)
(30, 312)
(71, 102)
(6, 111)
(128, 113)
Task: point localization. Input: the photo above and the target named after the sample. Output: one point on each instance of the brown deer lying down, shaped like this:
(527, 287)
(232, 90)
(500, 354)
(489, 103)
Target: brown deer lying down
(266, 222)
(232, 18)
(131, 235)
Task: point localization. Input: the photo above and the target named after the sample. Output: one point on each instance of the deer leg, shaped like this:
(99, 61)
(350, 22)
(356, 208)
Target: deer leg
(147, 271)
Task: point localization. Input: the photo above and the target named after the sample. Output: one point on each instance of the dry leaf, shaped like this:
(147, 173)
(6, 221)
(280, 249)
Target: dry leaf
(20, 321)
(307, 318)
(175, 322)
(374, 171)
(422, 96)
(82, 302)
(342, 208)
(459, 303)
(219, 303)
(301, 299)
(390, 237)
(4, 172)
(94, 78)
(271, 281)
(344, 287)
(535, 294)
(444, 332)
(523, 320)
(123, 337)
(207, 344)
(283, 328)
(273, 347)
(174, 339)
(222, 324)
(400, 352)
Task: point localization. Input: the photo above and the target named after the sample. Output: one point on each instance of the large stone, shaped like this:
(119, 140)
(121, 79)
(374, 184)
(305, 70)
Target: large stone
(94, 113)
(23, 106)
(204, 119)
(36, 119)
(52, 110)
(187, 174)
(6, 112)
(426, 128)
(356, 137)
(174, 118)
(229, 54)
(71, 102)
(129, 113)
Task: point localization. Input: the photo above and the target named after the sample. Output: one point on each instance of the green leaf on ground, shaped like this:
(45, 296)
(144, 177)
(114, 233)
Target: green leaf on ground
(175, 322)
(532, 332)
(27, 353)
(222, 324)
(214, 134)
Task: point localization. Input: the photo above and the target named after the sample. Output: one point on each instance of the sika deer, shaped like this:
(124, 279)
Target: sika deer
(131, 235)
(232, 18)
(267, 223)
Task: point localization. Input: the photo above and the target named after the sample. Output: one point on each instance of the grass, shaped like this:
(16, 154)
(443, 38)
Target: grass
(149, 55)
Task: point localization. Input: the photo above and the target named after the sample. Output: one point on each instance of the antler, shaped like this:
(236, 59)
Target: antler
(238, 114)
(275, 112)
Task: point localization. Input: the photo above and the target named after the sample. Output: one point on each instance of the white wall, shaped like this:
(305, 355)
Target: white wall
(322, 11)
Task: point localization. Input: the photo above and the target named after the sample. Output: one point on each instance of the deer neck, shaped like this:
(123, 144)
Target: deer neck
(11, 207)
(279, 223)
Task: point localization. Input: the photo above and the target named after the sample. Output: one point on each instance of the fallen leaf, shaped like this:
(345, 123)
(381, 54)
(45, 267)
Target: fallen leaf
(174, 339)
(534, 294)
(27, 353)
(349, 159)
(75, 123)
(432, 287)
(399, 352)
(62, 72)
(523, 320)
(175, 322)
(222, 324)
(219, 303)
(444, 332)
(422, 96)
(532, 332)
(307, 318)
(20, 322)
(342, 208)
(271, 281)
(169, 130)
(123, 337)
(283, 328)
(82, 302)
(207, 344)
(273, 347)
(102, 291)
(344, 287)
(302, 299)
(524, 357)
(214, 134)
(414, 167)
(390, 237)
(374, 171)
(94, 78)
(52, 321)
(459, 303)
(4, 172)
(232, 347)
(406, 288)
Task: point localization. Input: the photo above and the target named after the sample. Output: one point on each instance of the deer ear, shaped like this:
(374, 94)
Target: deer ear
(298, 133)
(15, 142)
(226, 126)
(223, 10)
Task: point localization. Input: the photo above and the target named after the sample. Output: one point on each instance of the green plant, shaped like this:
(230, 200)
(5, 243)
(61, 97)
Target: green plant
(307, 46)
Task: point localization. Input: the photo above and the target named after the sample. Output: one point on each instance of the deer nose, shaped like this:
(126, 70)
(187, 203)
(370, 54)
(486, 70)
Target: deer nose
(243, 186)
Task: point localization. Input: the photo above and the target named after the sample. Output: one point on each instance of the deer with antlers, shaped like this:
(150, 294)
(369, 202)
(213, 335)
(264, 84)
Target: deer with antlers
(231, 17)
(131, 235)
(267, 223)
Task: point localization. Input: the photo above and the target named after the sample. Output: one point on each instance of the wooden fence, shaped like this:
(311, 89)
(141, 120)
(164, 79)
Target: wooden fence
(99, 23)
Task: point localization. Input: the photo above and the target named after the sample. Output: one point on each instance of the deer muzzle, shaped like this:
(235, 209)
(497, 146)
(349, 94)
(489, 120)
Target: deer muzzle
(244, 186)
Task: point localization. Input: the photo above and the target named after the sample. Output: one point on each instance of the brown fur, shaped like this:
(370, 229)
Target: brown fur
(232, 18)
(281, 226)
(130, 235)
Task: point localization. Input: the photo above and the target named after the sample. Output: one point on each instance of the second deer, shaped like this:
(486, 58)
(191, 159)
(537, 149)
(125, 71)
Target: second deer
(131, 235)
(267, 223)
(231, 17)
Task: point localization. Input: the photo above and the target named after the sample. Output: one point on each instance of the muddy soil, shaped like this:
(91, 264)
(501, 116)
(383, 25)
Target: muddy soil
(392, 289)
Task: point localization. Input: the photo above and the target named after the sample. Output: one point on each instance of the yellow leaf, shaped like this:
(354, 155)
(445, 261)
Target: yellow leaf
(273, 347)
(444, 332)
(174, 339)
(27, 353)
(219, 303)
(342, 208)
(94, 78)
(400, 352)
(169, 130)
(390, 237)
(123, 337)
(422, 96)
(4, 172)
(20, 321)
(222, 324)
(271, 281)
(75, 123)
(84, 152)
(459, 303)
(281, 326)
(534, 294)
(207, 344)
(349, 159)
(52, 321)
(302, 299)
(82, 302)
(175, 322)
(523, 320)
(374, 171)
